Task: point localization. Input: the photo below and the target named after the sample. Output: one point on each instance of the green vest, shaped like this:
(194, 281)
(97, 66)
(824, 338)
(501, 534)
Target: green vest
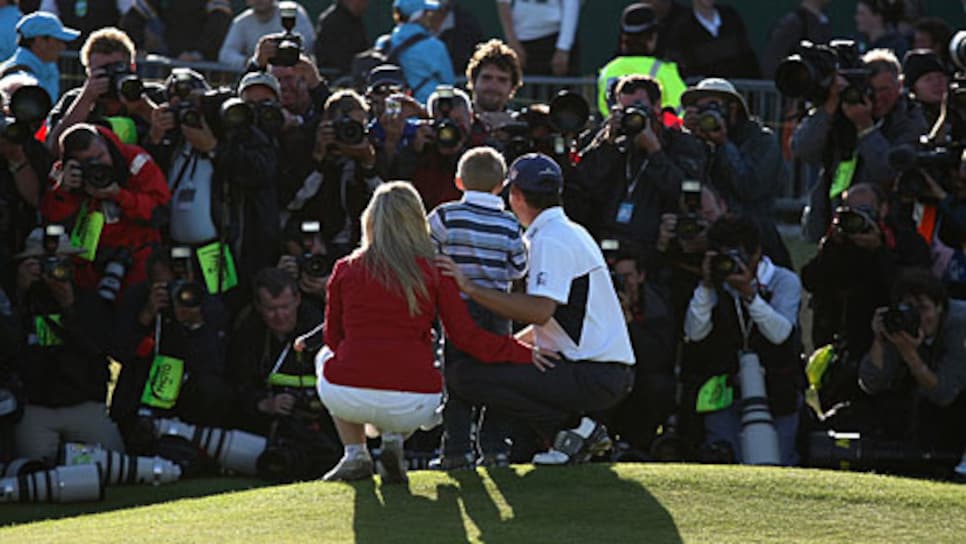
(672, 86)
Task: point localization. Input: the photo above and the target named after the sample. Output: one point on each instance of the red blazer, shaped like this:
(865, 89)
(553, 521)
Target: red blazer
(378, 345)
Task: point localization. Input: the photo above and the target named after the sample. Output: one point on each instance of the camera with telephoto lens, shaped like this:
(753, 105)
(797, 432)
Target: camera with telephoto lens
(29, 106)
(936, 159)
(448, 133)
(902, 317)
(569, 112)
(812, 71)
(309, 263)
(348, 131)
(690, 224)
(711, 117)
(854, 220)
(115, 268)
(854, 451)
(53, 266)
(288, 45)
(635, 118)
(298, 449)
(727, 262)
(64, 484)
(97, 175)
(124, 83)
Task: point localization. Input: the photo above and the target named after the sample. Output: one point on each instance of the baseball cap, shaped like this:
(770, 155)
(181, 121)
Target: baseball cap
(535, 173)
(260, 78)
(918, 63)
(41, 23)
(385, 74)
(637, 19)
(410, 7)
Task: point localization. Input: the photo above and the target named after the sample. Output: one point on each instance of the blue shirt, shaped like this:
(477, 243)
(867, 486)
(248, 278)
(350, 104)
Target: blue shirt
(426, 64)
(47, 73)
(9, 15)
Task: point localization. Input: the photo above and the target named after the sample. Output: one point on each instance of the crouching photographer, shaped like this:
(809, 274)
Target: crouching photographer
(274, 386)
(171, 339)
(305, 258)
(62, 339)
(915, 370)
(745, 310)
(115, 194)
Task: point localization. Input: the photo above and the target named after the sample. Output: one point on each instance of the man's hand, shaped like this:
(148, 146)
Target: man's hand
(280, 404)
(424, 135)
(162, 121)
(324, 140)
(157, 300)
(544, 359)
(71, 175)
(860, 114)
(667, 231)
(743, 281)
(28, 272)
(308, 71)
(449, 268)
(289, 264)
(906, 344)
(202, 138)
(560, 62)
(648, 140)
(362, 152)
(313, 285)
(96, 86)
(265, 49)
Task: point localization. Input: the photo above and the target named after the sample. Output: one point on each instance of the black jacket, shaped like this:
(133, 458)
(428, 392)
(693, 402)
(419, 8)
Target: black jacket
(728, 55)
(178, 27)
(339, 36)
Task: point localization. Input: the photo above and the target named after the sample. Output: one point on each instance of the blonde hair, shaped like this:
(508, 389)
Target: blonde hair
(395, 235)
(481, 169)
(106, 41)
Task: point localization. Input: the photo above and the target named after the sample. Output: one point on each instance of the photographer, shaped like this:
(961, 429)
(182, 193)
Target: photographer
(265, 18)
(275, 385)
(171, 338)
(744, 302)
(924, 78)
(42, 38)
(915, 370)
(429, 158)
(632, 171)
(851, 139)
(112, 95)
(345, 160)
(857, 262)
(745, 161)
(304, 257)
(62, 342)
(115, 194)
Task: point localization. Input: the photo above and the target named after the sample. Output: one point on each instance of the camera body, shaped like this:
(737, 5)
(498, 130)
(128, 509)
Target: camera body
(727, 262)
(348, 131)
(124, 82)
(57, 268)
(288, 45)
(635, 118)
(690, 224)
(938, 159)
(812, 71)
(185, 293)
(313, 265)
(711, 117)
(902, 317)
(858, 220)
(97, 175)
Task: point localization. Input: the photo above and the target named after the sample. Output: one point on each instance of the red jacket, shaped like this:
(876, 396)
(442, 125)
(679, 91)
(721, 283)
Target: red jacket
(378, 345)
(142, 195)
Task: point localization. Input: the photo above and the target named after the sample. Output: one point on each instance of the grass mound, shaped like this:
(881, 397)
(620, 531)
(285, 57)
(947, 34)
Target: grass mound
(592, 503)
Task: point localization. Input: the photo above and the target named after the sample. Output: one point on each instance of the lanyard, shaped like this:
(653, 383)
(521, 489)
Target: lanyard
(281, 359)
(637, 177)
(745, 327)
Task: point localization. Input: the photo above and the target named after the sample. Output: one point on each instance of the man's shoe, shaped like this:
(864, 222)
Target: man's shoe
(579, 445)
(350, 469)
(494, 460)
(453, 462)
(392, 462)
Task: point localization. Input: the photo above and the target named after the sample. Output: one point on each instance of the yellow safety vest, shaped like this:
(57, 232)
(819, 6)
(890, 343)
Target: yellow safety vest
(672, 86)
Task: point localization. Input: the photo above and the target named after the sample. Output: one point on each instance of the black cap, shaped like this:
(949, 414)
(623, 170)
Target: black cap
(536, 173)
(638, 19)
(918, 63)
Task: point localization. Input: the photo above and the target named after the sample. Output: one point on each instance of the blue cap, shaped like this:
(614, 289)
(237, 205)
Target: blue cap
(41, 23)
(536, 173)
(409, 7)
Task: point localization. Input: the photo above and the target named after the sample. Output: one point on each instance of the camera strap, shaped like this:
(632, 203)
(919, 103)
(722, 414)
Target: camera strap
(743, 325)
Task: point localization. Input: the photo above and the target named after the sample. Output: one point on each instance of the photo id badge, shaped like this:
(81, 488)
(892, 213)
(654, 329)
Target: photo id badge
(186, 199)
(624, 212)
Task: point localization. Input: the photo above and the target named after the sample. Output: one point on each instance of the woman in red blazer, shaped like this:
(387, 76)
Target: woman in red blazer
(377, 366)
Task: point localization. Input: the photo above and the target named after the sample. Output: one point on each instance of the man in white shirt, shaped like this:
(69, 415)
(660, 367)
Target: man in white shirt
(262, 18)
(572, 309)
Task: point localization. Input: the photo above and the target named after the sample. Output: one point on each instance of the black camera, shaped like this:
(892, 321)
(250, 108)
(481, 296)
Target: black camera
(727, 262)
(690, 224)
(97, 175)
(124, 83)
(569, 112)
(185, 293)
(911, 161)
(711, 117)
(289, 45)
(348, 131)
(29, 105)
(115, 269)
(812, 71)
(902, 317)
(635, 118)
(57, 268)
(857, 220)
(269, 117)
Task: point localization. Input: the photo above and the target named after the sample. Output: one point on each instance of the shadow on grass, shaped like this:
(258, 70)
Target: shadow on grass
(516, 505)
(121, 497)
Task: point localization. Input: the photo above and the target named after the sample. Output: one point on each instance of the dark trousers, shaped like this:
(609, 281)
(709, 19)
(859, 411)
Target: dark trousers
(547, 401)
(540, 53)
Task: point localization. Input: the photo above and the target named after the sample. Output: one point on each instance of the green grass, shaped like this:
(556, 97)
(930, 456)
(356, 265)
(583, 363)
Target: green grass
(591, 503)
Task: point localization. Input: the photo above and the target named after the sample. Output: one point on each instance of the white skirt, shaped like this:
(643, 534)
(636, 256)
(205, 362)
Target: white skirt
(389, 411)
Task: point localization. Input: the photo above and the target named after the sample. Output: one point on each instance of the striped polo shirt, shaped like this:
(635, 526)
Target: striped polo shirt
(484, 239)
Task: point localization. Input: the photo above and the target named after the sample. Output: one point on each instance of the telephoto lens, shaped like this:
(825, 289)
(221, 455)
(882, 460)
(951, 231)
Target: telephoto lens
(114, 271)
(635, 119)
(78, 483)
(187, 294)
(348, 131)
(97, 175)
(759, 441)
(902, 317)
(118, 468)
(236, 451)
(851, 221)
(21, 466)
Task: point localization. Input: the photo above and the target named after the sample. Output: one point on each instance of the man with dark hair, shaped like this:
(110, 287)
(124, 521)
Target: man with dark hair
(493, 74)
(42, 39)
(572, 309)
(744, 156)
(745, 302)
(115, 194)
(915, 370)
(638, 42)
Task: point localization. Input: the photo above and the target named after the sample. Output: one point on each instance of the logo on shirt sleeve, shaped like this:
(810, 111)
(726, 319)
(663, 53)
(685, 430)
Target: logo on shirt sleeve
(541, 278)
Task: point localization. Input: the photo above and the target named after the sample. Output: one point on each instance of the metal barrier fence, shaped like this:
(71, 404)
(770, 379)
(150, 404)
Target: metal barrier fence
(764, 101)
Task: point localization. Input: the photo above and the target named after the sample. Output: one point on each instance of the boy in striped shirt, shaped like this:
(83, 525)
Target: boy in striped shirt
(486, 241)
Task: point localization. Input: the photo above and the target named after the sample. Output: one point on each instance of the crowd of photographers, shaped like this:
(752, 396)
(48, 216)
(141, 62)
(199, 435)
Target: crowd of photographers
(184, 235)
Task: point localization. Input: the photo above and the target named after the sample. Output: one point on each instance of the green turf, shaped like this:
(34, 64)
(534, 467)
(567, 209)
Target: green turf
(592, 503)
